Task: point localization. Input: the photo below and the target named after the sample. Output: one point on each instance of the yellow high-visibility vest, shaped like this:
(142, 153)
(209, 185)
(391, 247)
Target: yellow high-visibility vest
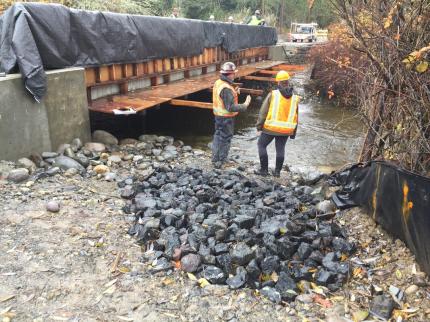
(282, 115)
(218, 105)
(255, 21)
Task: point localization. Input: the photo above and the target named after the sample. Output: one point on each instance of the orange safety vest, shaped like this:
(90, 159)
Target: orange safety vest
(218, 105)
(282, 115)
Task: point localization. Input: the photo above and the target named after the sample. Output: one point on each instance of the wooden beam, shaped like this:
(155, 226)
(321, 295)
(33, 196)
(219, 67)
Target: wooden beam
(178, 102)
(273, 72)
(250, 91)
(260, 79)
(290, 67)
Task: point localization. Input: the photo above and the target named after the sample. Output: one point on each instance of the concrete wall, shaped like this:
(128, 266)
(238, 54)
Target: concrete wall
(26, 126)
(292, 53)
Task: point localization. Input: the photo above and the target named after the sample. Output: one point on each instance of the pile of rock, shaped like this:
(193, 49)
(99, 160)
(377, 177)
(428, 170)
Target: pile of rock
(99, 157)
(230, 229)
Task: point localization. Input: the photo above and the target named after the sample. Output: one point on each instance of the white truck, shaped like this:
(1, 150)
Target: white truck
(301, 32)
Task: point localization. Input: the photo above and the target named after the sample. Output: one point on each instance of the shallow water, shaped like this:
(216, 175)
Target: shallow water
(327, 138)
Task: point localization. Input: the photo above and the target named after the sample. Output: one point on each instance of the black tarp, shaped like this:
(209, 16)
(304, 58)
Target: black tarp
(34, 37)
(397, 199)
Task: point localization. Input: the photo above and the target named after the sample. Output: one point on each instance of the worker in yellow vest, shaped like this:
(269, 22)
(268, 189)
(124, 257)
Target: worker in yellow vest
(256, 19)
(225, 108)
(278, 119)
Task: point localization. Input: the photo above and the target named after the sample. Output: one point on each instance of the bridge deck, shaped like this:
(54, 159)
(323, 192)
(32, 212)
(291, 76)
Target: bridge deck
(155, 95)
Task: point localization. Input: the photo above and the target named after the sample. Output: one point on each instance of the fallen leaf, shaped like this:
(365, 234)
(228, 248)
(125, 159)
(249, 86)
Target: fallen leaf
(168, 281)
(7, 298)
(422, 67)
(274, 277)
(124, 269)
(192, 277)
(322, 301)
(360, 315)
(203, 282)
(111, 283)
(178, 264)
(317, 289)
(398, 274)
(110, 290)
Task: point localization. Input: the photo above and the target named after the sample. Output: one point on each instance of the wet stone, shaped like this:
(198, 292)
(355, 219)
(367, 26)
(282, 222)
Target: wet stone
(241, 254)
(53, 206)
(190, 263)
(213, 274)
(238, 280)
(304, 251)
(18, 175)
(244, 221)
(324, 277)
(286, 286)
(382, 306)
(269, 264)
(271, 293)
(221, 248)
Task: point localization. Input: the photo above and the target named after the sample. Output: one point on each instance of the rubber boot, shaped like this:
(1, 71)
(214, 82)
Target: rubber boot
(278, 168)
(264, 166)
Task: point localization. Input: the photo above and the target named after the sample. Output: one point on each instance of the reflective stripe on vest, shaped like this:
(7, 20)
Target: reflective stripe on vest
(282, 115)
(255, 21)
(218, 104)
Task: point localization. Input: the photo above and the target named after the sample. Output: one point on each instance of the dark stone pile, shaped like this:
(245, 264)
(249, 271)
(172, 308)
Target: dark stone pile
(233, 230)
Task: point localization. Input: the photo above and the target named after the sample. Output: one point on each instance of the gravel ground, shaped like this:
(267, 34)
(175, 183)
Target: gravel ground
(79, 264)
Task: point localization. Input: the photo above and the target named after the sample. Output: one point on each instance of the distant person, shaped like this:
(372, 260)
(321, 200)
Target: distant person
(225, 107)
(175, 13)
(230, 19)
(212, 18)
(256, 19)
(278, 119)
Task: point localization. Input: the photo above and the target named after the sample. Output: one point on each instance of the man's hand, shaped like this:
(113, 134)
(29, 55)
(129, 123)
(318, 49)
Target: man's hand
(258, 133)
(247, 101)
(238, 91)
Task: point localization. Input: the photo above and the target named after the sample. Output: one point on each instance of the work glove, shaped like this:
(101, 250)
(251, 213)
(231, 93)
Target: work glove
(247, 101)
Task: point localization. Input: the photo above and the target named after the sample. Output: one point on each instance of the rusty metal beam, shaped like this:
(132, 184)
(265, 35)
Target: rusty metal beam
(178, 102)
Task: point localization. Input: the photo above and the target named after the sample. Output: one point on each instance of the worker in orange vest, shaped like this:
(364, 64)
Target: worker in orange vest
(278, 119)
(225, 108)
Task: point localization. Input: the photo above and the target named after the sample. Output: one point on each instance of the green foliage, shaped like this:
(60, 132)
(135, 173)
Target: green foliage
(241, 10)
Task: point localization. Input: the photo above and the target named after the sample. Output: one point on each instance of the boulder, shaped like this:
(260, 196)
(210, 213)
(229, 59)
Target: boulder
(104, 137)
(18, 175)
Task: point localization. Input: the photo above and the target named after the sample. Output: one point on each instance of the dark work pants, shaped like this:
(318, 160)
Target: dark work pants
(224, 129)
(263, 141)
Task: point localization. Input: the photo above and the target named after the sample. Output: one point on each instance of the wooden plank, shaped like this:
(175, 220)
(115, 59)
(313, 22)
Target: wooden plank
(90, 76)
(140, 69)
(158, 66)
(250, 91)
(166, 92)
(150, 65)
(181, 62)
(104, 73)
(166, 64)
(290, 67)
(260, 79)
(115, 72)
(176, 63)
(123, 88)
(178, 102)
(273, 72)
